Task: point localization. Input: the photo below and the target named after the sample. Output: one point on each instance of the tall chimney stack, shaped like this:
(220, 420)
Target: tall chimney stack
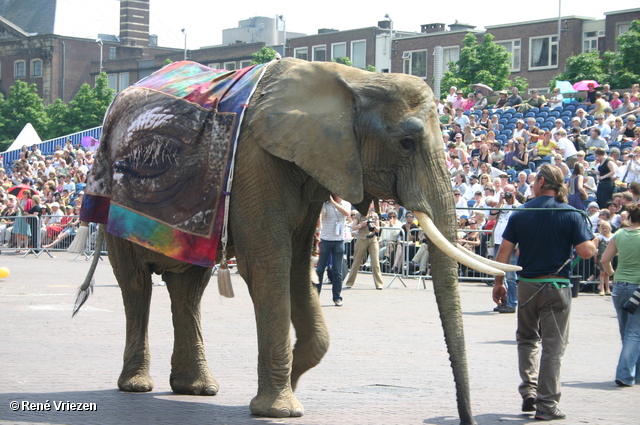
(134, 22)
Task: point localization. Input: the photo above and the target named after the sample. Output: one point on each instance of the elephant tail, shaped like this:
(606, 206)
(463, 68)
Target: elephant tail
(87, 287)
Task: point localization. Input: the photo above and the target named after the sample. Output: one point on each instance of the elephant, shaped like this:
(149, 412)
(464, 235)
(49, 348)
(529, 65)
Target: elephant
(310, 130)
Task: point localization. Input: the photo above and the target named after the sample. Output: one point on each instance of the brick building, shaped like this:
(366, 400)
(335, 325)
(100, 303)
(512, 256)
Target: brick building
(59, 64)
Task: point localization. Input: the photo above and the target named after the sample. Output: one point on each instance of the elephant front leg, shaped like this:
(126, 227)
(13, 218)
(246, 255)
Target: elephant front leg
(189, 369)
(135, 375)
(272, 307)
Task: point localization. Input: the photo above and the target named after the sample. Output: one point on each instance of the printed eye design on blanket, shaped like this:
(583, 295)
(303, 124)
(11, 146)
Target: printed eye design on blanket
(163, 151)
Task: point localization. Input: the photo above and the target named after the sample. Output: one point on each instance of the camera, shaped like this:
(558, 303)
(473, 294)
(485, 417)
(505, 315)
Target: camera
(508, 195)
(371, 225)
(632, 305)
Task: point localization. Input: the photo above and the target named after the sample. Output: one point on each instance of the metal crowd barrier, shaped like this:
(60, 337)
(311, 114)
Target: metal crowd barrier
(399, 257)
(401, 264)
(46, 234)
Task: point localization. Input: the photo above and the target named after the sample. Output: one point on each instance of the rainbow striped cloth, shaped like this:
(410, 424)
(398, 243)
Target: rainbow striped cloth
(145, 128)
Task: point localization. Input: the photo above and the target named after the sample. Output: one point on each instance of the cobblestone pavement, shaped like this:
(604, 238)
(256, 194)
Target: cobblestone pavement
(387, 363)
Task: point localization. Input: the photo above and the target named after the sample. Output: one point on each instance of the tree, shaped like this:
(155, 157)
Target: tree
(487, 63)
(626, 70)
(585, 66)
(86, 110)
(343, 60)
(264, 55)
(58, 113)
(22, 106)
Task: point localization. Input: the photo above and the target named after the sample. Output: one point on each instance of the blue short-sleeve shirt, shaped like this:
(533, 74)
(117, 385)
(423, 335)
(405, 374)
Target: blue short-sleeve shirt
(546, 238)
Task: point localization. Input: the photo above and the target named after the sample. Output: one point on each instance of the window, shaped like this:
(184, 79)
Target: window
(449, 54)
(543, 52)
(338, 50)
(119, 82)
(19, 69)
(245, 63)
(622, 28)
(36, 68)
(590, 40)
(230, 66)
(415, 63)
(301, 53)
(319, 53)
(113, 81)
(215, 65)
(112, 53)
(359, 54)
(123, 80)
(513, 47)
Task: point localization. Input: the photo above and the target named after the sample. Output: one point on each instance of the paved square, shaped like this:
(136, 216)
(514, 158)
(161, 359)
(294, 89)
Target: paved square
(387, 363)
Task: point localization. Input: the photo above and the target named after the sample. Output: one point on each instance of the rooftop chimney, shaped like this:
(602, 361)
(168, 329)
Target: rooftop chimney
(134, 22)
(432, 28)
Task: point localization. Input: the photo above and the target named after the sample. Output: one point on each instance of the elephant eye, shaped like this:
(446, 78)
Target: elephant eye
(408, 144)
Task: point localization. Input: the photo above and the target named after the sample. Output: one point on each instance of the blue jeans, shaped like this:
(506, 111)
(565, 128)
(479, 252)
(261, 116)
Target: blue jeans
(628, 370)
(335, 251)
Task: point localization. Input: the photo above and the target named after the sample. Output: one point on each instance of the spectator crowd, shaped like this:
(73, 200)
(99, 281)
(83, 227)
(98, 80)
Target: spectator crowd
(51, 202)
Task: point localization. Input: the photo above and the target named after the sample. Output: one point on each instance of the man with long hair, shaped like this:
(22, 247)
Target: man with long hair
(545, 240)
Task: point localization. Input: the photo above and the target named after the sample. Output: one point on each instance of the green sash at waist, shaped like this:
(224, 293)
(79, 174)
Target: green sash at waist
(557, 282)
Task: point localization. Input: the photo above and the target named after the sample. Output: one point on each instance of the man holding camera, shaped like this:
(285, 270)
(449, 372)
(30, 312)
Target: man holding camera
(368, 228)
(545, 239)
(334, 218)
(507, 200)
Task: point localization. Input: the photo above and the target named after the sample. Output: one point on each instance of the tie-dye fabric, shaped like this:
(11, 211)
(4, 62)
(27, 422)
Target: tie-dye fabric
(166, 149)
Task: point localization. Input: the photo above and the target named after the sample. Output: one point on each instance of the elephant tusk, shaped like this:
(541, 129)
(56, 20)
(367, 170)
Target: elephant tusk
(448, 248)
(497, 265)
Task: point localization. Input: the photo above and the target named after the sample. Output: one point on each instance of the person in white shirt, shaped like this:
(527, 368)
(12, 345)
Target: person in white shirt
(451, 97)
(555, 102)
(605, 130)
(566, 148)
(334, 219)
(474, 186)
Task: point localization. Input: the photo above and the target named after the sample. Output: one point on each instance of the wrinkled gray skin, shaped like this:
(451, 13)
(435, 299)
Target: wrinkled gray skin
(312, 129)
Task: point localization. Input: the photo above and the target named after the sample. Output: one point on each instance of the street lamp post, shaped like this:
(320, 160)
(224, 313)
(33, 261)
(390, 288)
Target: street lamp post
(284, 35)
(390, 39)
(99, 41)
(184, 31)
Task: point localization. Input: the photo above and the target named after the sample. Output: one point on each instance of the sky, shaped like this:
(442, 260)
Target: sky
(204, 20)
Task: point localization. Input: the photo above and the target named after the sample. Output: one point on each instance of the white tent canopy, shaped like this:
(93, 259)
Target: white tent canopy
(27, 136)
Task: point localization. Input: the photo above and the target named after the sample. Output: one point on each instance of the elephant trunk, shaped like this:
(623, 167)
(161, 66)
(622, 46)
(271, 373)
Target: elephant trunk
(444, 270)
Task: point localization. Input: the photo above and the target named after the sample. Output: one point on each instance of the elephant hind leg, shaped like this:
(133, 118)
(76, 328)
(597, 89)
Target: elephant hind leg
(312, 335)
(189, 369)
(134, 279)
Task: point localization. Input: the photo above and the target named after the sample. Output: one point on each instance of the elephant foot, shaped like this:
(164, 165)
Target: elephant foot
(203, 384)
(138, 382)
(283, 405)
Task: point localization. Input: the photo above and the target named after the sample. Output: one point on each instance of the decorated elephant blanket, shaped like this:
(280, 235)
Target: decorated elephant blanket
(161, 173)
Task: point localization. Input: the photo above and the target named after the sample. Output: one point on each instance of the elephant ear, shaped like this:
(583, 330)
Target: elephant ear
(304, 113)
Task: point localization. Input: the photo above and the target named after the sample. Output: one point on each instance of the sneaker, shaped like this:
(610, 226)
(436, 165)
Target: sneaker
(338, 303)
(497, 308)
(556, 413)
(506, 309)
(529, 404)
(622, 384)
